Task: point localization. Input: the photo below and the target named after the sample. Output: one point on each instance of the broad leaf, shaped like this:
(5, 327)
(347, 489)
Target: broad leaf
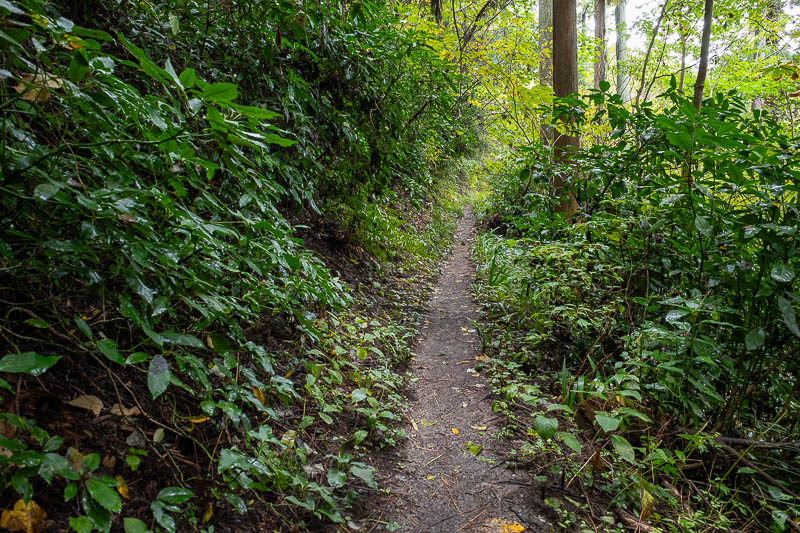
(545, 427)
(27, 363)
(607, 422)
(220, 92)
(158, 376)
(623, 448)
(104, 495)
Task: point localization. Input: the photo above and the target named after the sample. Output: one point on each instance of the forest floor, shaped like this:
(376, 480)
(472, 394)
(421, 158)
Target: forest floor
(450, 474)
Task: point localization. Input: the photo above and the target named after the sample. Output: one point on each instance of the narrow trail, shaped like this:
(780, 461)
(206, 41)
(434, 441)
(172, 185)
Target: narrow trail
(449, 476)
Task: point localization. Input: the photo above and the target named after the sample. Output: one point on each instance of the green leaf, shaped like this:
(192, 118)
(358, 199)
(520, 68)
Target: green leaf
(782, 272)
(255, 112)
(134, 525)
(183, 339)
(754, 339)
(680, 139)
(27, 363)
(545, 427)
(38, 323)
(158, 376)
(5, 4)
(45, 191)
(165, 520)
(175, 495)
(703, 226)
(570, 440)
(623, 448)
(359, 436)
(787, 311)
(358, 395)
(365, 473)
(81, 524)
(607, 422)
(104, 495)
(133, 462)
(187, 78)
(220, 92)
(109, 348)
(336, 478)
(70, 491)
(84, 327)
(277, 139)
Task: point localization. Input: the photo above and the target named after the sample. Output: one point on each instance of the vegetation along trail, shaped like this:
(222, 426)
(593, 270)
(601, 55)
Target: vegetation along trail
(449, 474)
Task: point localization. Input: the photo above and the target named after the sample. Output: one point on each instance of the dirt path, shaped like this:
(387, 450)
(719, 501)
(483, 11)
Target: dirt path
(449, 474)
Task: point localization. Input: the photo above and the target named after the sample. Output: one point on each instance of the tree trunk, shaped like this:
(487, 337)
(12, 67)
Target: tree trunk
(650, 49)
(436, 10)
(704, 45)
(546, 57)
(565, 82)
(600, 42)
(623, 80)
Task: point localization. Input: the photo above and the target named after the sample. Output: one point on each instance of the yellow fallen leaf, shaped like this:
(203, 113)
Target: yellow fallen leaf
(208, 513)
(455, 431)
(430, 478)
(288, 438)
(197, 419)
(88, 402)
(479, 428)
(647, 505)
(24, 517)
(463, 362)
(500, 525)
(122, 487)
(481, 358)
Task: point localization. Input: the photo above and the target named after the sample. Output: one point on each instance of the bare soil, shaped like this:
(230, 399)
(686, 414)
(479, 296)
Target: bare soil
(450, 474)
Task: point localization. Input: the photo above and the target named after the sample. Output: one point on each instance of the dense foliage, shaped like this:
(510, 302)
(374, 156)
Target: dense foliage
(667, 308)
(160, 165)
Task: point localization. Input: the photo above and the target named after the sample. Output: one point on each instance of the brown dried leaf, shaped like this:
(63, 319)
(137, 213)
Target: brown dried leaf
(34, 88)
(88, 402)
(125, 411)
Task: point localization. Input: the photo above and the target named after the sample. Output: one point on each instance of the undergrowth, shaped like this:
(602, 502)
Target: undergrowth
(646, 350)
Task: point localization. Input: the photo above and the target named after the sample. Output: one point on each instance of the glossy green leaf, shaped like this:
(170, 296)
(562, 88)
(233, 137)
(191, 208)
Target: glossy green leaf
(27, 363)
(104, 495)
(158, 376)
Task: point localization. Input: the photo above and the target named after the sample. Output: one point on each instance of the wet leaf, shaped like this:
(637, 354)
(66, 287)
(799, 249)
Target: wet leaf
(365, 473)
(782, 272)
(27, 363)
(125, 411)
(104, 495)
(134, 525)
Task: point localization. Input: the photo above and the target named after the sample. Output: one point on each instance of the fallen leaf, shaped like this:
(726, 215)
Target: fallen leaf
(473, 448)
(481, 358)
(479, 428)
(500, 525)
(428, 423)
(455, 431)
(125, 411)
(647, 505)
(430, 478)
(122, 487)
(109, 461)
(34, 88)
(414, 424)
(208, 513)
(197, 419)
(88, 402)
(463, 362)
(24, 517)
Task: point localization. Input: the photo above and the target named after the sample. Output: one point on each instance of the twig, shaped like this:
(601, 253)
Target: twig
(471, 521)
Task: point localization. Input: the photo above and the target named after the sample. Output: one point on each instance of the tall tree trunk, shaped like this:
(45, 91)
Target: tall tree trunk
(623, 80)
(565, 82)
(684, 38)
(600, 42)
(546, 57)
(436, 10)
(704, 45)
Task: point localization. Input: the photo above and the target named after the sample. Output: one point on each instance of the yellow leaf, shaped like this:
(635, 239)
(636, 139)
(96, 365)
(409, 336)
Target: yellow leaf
(500, 525)
(259, 394)
(197, 419)
(430, 478)
(647, 505)
(209, 512)
(24, 517)
(455, 431)
(122, 487)
(479, 428)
